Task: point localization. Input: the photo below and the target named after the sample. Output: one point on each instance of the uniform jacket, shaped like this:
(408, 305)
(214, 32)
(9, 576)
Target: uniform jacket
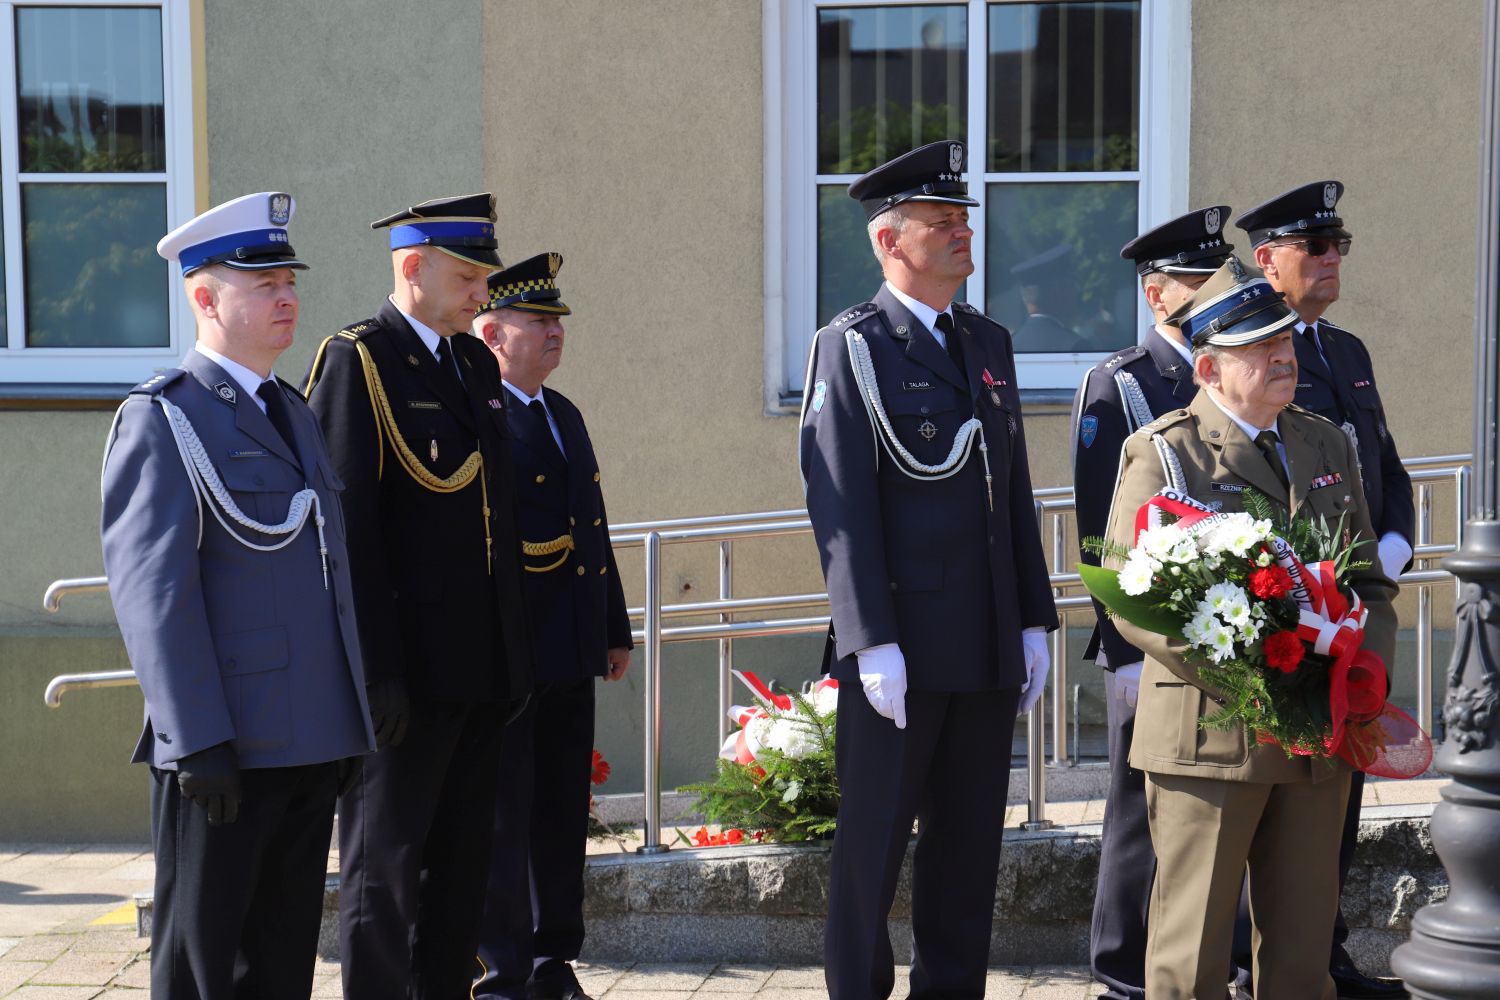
(1213, 450)
(430, 609)
(230, 644)
(575, 609)
(1349, 395)
(924, 563)
(1100, 427)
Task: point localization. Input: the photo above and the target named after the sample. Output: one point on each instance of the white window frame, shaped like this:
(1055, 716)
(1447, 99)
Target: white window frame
(21, 365)
(789, 36)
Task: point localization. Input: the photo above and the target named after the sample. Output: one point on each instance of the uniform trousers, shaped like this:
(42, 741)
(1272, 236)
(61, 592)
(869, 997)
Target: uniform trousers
(1207, 833)
(1127, 864)
(237, 906)
(414, 853)
(950, 770)
(540, 839)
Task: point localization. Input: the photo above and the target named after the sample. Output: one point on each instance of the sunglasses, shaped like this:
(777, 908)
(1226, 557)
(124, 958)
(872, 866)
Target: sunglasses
(1316, 247)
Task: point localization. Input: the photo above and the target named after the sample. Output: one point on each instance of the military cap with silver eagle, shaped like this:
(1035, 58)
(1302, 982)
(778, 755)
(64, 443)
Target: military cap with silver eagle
(462, 227)
(1232, 309)
(1309, 210)
(1189, 244)
(530, 286)
(933, 172)
(247, 234)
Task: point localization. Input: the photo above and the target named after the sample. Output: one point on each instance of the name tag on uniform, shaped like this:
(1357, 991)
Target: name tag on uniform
(909, 386)
(423, 404)
(1304, 385)
(1363, 383)
(1332, 479)
(1226, 487)
(242, 453)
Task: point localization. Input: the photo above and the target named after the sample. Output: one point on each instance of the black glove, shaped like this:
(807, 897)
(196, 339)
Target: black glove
(211, 778)
(389, 711)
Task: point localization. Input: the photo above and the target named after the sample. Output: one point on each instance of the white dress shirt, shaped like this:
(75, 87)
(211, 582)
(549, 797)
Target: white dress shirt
(924, 314)
(1178, 345)
(1252, 432)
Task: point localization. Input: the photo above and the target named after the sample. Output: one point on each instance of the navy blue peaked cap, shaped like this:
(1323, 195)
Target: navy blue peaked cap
(1189, 244)
(933, 172)
(1309, 210)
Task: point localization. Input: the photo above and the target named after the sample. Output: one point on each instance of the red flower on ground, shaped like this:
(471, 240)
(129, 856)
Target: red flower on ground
(1283, 651)
(734, 836)
(1270, 581)
(600, 773)
(701, 837)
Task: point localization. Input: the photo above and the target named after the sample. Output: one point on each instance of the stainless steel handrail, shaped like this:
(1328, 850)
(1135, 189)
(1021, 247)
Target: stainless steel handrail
(731, 624)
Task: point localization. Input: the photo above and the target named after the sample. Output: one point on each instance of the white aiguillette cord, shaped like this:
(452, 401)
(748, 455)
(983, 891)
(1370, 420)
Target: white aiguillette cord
(206, 484)
(963, 441)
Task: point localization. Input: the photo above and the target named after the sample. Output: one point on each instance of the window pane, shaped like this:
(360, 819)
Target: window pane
(1053, 273)
(889, 80)
(1064, 86)
(93, 278)
(90, 89)
(847, 271)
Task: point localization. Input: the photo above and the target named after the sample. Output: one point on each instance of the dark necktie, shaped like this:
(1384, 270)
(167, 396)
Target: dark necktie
(955, 346)
(276, 410)
(539, 410)
(448, 364)
(1266, 442)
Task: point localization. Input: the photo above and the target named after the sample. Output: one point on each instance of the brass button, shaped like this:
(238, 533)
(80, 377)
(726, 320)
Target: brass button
(541, 479)
(580, 571)
(596, 477)
(571, 521)
(601, 570)
(597, 522)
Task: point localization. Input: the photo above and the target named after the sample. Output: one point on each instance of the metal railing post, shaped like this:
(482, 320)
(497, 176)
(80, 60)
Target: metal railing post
(651, 681)
(726, 644)
(1424, 611)
(1060, 648)
(1036, 772)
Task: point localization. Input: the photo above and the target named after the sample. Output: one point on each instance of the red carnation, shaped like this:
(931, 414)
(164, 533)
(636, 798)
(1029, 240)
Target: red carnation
(600, 773)
(1283, 651)
(734, 836)
(1270, 581)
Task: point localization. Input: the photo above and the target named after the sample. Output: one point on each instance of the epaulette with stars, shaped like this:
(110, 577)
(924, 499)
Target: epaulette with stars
(1123, 357)
(853, 315)
(156, 383)
(1164, 421)
(358, 331)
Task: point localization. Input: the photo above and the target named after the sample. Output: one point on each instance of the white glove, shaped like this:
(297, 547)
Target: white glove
(1127, 682)
(882, 673)
(1038, 662)
(1394, 551)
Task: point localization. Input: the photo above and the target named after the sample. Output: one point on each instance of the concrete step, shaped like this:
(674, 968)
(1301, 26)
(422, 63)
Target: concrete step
(766, 904)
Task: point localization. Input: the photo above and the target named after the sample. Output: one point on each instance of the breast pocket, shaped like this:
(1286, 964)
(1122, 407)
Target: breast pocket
(925, 421)
(1372, 414)
(253, 667)
(262, 488)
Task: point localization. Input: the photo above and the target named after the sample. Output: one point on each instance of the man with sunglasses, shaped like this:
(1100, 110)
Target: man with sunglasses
(1300, 243)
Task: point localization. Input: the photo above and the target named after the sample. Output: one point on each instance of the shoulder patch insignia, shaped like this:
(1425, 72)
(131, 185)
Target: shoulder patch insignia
(355, 330)
(1088, 430)
(820, 395)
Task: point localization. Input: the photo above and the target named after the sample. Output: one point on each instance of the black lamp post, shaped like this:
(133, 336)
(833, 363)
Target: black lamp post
(1454, 951)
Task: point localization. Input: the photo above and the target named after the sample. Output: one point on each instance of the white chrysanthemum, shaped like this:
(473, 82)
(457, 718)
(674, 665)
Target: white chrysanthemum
(1264, 559)
(1200, 628)
(1184, 552)
(1249, 631)
(1236, 534)
(1221, 596)
(1221, 644)
(1157, 542)
(825, 699)
(792, 737)
(758, 733)
(1136, 575)
(1236, 613)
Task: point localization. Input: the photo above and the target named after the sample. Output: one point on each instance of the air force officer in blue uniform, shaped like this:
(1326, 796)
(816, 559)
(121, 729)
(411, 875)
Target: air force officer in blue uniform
(914, 460)
(224, 544)
(579, 631)
(1126, 391)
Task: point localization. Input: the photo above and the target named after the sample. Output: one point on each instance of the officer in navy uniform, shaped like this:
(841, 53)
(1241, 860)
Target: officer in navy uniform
(1126, 391)
(1300, 242)
(414, 413)
(580, 630)
(225, 548)
(914, 459)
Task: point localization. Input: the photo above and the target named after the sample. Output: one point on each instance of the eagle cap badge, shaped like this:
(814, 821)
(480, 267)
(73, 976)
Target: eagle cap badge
(955, 157)
(280, 209)
(1211, 221)
(1330, 194)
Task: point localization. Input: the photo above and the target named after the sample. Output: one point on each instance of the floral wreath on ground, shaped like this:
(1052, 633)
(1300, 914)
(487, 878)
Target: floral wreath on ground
(775, 779)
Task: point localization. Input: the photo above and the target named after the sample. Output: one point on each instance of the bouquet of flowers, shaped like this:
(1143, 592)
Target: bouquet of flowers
(1262, 603)
(775, 775)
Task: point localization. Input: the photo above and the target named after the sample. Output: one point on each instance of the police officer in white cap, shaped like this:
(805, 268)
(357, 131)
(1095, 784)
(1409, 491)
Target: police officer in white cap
(224, 544)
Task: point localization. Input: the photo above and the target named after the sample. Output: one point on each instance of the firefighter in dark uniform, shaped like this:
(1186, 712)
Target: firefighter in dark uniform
(1124, 392)
(1300, 242)
(914, 459)
(414, 413)
(579, 630)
